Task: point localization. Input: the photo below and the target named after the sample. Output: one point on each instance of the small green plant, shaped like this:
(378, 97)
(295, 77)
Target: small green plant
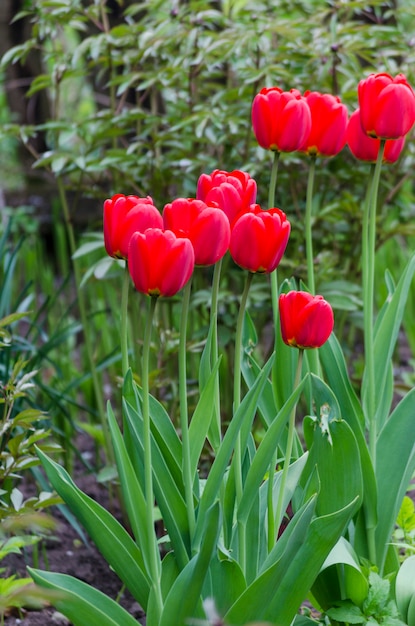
(378, 608)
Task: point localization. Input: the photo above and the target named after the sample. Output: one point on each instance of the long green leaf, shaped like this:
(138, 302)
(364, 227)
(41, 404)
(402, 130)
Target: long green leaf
(334, 364)
(277, 593)
(385, 339)
(336, 455)
(395, 454)
(182, 601)
(245, 413)
(201, 419)
(263, 456)
(111, 539)
(82, 604)
(162, 429)
(134, 500)
(168, 496)
(405, 590)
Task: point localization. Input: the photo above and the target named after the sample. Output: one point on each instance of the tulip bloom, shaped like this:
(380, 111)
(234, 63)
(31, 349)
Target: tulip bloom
(387, 106)
(366, 148)
(160, 263)
(306, 320)
(259, 239)
(281, 119)
(207, 228)
(123, 216)
(328, 125)
(233, 192)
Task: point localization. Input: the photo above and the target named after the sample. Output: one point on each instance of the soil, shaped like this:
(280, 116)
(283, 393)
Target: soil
(67, 553)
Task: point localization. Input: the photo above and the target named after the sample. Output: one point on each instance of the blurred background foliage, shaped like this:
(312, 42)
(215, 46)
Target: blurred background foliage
(114, 96)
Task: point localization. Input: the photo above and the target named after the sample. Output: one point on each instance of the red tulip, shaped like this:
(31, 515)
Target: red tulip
(281, 119)
(387, 106)
(328, 124)
(366, 148)
(306, 320)
(259, 239)
(233, 192)
(207, 228)
(160, 263)
(123, 216)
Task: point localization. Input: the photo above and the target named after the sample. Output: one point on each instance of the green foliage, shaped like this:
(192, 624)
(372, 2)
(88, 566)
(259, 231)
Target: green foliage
(378, 608)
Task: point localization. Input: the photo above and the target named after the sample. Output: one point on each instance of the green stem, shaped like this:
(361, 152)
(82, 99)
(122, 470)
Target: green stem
(290, 440)
(369, 306)
(154, 561)
(124, 320)
(184, 419)
(270, 501)
(236, 403)
(215, 351)
(273, 180)
(308, 225)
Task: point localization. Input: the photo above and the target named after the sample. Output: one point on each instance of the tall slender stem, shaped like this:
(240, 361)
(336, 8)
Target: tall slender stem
(308, 225)
(124, 320)
(154, 564)
(369, 306)
(290, 440)
(215, 350)
(184, 419)
(273, 180)
(236, 403)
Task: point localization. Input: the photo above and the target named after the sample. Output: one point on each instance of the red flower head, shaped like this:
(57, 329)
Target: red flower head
(387, 106)
(123, 216)
(328, 124)
(160, 263)
(281, 119)
(259, 239)
(233, 192)
(207, 228)
(366, 148)
(306, 320)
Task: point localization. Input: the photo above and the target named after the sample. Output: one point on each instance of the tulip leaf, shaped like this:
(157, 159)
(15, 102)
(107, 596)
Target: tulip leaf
(395, 465)
(386, 334)
(133, 496)
(332, 359)
(266, 449)
(202, 418)
(252, 602)
(111, 539)
(80, 603)
(205, 371)
(335, 583)
(168, 495)
(162, 429)
(225, 583)
(245, 413)
(184, 598)
(405, 590)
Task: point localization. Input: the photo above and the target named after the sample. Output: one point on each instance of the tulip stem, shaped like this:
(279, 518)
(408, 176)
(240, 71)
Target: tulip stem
(274, 274)
(184, 419)
(308, 225)
(236, 402)
(217, 431)
(273, 180)
(290, 441)
(368, 301)
(154, 557)
(124, 320)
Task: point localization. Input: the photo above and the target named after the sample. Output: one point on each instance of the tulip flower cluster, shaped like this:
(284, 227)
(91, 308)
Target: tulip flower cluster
(317, 124)
(162, 248)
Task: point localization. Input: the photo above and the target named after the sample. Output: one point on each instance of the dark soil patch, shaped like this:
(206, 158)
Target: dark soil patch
(67, 553)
